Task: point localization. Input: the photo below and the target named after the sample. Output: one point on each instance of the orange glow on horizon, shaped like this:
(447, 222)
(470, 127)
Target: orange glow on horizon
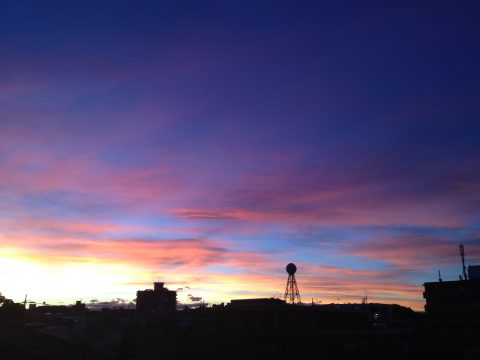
(69, 279)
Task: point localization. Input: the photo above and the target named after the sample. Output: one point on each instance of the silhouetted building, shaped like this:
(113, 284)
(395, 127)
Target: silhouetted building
(474, 272)
(256, 302)
(380, 315)
(77, 308)
(454, 305)
(157, 301)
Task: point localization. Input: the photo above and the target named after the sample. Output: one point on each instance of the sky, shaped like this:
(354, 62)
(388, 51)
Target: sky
(206, 144)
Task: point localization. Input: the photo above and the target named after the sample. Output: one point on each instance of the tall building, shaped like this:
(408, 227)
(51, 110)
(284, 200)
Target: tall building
(157, 301)
(455, 305)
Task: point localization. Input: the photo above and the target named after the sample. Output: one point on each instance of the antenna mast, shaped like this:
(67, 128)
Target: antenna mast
(365, 298)
(462, 255)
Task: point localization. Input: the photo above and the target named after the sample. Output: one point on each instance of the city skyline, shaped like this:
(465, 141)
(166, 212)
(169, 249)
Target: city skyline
(207, 145)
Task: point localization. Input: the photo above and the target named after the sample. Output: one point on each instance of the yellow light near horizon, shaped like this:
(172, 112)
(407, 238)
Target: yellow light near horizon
(57, 280)
(66, 281)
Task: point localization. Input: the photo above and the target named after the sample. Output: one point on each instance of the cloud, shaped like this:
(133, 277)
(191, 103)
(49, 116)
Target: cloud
(114, 303)
(194, 298)
(192, 214)
(156, 253)
(414, 251)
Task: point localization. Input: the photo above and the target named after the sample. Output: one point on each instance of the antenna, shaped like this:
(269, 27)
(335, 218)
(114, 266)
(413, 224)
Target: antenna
(439, 276)
(291, 291)
(462, 255)
(365, 298)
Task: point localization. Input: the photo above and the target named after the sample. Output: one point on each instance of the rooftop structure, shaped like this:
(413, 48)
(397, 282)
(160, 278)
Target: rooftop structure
(455, 304)
(474, 272)
(157, 301)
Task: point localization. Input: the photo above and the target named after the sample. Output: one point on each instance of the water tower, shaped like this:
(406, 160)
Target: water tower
(292, 295)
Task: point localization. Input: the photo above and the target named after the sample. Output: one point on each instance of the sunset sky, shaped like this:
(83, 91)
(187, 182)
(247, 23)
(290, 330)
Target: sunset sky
(207, 144)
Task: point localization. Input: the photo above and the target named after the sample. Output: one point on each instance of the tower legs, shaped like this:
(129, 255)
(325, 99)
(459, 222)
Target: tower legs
(292, 294)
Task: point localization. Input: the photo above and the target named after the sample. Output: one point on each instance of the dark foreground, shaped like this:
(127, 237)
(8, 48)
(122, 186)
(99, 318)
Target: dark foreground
(356, 331)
